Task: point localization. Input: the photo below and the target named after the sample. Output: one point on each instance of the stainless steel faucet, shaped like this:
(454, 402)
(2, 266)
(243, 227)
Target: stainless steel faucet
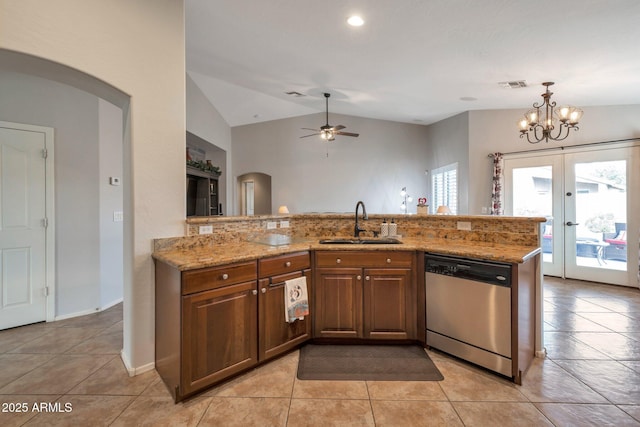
(357, 229)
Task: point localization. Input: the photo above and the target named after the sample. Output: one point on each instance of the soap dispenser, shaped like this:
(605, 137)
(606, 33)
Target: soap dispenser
(384, 228)
(393, 228)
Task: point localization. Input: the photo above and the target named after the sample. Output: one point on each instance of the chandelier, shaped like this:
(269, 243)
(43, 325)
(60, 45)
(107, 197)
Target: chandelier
(548, 122)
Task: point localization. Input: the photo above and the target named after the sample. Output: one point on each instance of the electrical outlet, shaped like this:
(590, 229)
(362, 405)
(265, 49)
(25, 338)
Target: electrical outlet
(118, 216)
(284, 224)
(272, 225)
(205, 229)
(464, 225)
(114, 180)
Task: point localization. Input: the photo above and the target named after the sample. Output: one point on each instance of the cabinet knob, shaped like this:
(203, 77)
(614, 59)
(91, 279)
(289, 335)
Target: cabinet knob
(366, 277)
(225, 276)
(287, 264)
(359, 277)
(254, 292)
(263, 290)
(388, 260)
(338, 260)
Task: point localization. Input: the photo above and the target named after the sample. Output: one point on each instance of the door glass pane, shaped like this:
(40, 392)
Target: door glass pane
(601, 214)
(532, 196)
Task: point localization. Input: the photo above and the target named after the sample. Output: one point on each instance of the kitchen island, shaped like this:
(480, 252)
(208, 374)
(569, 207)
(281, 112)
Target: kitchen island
(219, 297)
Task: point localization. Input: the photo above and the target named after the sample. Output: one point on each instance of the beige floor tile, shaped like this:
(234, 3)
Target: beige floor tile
(113, 379)
(274, 379)
(115, 328)
(160, 411)
(19, 408)
(56, 340)
(563, 414)
(13, 338)
(414, 414)
(545, 381)
(563, 345)
(329, 412)
(616, 382)
(310, 389)
(616, 322)
(616, 346)
(246, 412)
(633, 364)
(100, 344)
(101, 320)
(157, 388)
(572, 322)
(503, 414)
(464, 382)
(57, 376)
(405, 390)
(83, 411)
(13, 366)
(633, 410)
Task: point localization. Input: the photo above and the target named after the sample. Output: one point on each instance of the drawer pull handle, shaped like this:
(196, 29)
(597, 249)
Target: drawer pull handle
(388, 260)
(264, 290)
(225, 276)
(254, 292)
(287, 264)
(338, 260)
(359, 277)
(366, 277)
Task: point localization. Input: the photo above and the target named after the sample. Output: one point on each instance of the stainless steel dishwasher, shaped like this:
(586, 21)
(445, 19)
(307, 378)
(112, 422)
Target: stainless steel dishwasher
(469, 310)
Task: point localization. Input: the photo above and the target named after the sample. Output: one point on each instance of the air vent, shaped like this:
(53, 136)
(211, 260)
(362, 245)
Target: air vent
(294, 93)
(516, 84)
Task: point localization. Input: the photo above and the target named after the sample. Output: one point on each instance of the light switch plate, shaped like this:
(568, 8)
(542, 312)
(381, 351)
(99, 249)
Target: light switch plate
(464, 225)
(272, 225)
(118, 216)
(205, 229)
(284, 224)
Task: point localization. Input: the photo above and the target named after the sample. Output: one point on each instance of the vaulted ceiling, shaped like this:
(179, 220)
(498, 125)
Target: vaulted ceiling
(414, 61)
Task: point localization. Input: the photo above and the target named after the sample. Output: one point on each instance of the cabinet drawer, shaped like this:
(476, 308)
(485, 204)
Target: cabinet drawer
(216, 277)
(363, 259)
(283, 264)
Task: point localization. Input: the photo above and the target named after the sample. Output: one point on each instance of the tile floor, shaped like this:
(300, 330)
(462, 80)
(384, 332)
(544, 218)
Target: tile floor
(591, 377)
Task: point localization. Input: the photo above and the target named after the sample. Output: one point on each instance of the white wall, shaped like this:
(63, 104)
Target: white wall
(373, 167)
(204, 121)
(449, 143)
(136, 47)
(110, 200)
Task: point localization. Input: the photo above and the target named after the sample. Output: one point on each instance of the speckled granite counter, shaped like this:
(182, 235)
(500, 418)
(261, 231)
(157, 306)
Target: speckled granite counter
(199, 256)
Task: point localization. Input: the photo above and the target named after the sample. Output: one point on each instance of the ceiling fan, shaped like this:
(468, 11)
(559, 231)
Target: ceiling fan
(328, 132)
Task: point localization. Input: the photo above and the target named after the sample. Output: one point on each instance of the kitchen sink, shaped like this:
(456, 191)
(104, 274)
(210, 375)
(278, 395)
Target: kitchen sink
(372, 241)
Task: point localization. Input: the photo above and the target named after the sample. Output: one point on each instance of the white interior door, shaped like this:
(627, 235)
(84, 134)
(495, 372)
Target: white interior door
(22, 227)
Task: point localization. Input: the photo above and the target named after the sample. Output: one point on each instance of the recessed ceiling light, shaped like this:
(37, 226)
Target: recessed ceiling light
(355, 21)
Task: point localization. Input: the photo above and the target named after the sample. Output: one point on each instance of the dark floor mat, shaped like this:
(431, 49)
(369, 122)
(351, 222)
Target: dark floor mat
(366, 363)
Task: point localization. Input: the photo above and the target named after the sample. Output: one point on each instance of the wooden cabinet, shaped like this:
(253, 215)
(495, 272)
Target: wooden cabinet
(212, 323)
(276, 335)
(365, 295)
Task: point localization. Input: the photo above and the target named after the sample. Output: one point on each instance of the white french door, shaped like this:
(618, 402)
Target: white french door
(587, 197)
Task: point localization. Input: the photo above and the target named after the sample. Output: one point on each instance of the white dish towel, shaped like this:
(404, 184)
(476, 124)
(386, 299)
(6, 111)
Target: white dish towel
(296, 299)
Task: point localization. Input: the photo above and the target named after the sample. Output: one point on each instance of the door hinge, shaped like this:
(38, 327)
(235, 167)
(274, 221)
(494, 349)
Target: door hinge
(45, 222)
(44, 153)
(46, 291)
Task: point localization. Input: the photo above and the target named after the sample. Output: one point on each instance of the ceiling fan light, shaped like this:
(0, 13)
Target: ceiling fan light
(355, 21)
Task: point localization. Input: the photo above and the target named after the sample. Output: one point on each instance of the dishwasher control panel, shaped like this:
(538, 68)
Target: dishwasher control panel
(471, 269)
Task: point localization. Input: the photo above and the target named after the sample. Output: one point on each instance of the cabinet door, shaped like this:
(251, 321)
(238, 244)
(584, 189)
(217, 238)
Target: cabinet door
(276, 335)
(338, 303)
(220, 334)
(388, 310)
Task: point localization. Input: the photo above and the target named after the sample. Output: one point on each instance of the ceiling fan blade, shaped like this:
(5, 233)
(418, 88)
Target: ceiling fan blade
(315, 130)
(339, 127)
(313, 134)
(347, 134)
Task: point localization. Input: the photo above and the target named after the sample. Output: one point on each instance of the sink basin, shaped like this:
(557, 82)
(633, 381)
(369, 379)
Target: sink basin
(372, 241)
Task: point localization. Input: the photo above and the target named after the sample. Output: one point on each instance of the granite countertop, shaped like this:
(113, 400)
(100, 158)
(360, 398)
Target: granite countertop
(210, 256)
